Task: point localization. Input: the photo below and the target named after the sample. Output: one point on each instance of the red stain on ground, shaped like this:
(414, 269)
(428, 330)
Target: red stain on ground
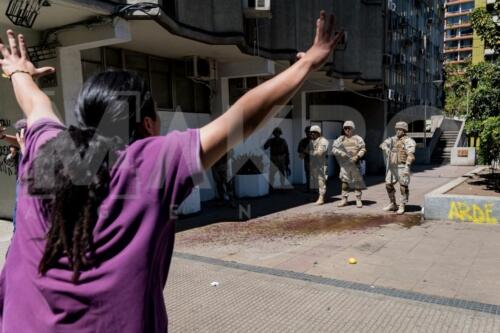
(291, 227)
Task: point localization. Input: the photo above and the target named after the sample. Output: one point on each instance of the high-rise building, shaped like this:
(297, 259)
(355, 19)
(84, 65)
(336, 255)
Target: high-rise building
(459, 35)
(461, 44)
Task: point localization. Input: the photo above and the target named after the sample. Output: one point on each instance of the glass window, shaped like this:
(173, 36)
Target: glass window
(91, 62)
(161, 83)
(466, 31)
(453, 20)
(89, 69)
(93, 55)
(137, 63)
(467, 6)
(113, 58)
(453, 8)
(466, 43)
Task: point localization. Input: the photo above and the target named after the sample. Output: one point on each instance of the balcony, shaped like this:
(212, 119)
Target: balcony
(457, 49)
(454, 2)
(462, 12)
(457, 25)
(458, 37)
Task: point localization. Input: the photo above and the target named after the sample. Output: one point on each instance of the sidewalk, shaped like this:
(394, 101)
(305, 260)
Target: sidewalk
(457, 260)
(287, 270)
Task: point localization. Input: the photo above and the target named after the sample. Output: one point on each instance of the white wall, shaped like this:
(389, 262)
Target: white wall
(171, 121)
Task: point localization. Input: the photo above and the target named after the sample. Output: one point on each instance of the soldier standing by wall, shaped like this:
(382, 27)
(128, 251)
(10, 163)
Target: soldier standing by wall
(318, 147)
(303, 150)
(280, 158)
(400, 154)
(349, 149)
(224, 181)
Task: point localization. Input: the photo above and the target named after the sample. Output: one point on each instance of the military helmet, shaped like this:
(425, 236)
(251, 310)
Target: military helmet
(277, 131)
(402, 125)
(349, 123)
(315, 128)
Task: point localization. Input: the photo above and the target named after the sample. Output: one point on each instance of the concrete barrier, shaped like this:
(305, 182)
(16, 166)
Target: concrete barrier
(461, 208)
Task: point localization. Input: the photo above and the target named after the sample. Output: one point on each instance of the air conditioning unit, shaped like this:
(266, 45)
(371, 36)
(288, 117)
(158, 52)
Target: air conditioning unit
(391, 5)
(391, 94)
(199, 68)
(257, 8)
(387, 59)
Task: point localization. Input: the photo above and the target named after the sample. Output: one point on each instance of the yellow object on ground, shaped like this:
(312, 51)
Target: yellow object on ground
(353, 261)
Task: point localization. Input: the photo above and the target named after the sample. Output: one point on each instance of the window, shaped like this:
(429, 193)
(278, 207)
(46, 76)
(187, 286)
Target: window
(466, 43)
(453, 20)
(191, 96)
(451, 44)
(467, 6)
(466, 31)
(114, 59)
(91, 62)
(161, 83)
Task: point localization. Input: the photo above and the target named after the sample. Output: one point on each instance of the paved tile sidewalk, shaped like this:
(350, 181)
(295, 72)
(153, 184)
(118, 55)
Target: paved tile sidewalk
(253, 302)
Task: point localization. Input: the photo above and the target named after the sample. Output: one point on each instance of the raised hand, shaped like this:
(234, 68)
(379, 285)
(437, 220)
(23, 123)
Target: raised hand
(324, 42)
(15, 58)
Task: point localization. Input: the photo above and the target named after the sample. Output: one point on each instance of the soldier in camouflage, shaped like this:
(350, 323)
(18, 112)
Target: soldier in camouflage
(400, 154)
(349, 149)
(280, 158)
(318, 148)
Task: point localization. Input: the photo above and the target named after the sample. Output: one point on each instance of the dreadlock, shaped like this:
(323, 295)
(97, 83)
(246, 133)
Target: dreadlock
(71, 172)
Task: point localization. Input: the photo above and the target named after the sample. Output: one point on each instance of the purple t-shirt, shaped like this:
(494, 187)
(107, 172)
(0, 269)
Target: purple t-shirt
(133, 237)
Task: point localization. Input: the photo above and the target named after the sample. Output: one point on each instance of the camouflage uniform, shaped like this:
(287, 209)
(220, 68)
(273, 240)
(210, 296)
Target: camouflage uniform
(400, 154)
(348, 152)
(317, 151)
(280, 159)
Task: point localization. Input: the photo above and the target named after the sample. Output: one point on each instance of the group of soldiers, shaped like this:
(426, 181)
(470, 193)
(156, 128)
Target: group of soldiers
(349, 150)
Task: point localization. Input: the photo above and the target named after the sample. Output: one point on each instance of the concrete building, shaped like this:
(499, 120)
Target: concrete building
(461, 44)
(200, 56)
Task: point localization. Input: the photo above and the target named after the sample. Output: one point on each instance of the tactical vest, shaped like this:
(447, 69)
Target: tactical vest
(351, 145)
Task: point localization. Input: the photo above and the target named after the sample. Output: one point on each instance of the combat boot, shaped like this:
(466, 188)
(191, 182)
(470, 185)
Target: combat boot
(401, 209)
(390, 207)
(359, 203)
(343, 202)
(321, 200)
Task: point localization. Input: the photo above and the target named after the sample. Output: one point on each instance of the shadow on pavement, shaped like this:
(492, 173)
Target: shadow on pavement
(278, 201)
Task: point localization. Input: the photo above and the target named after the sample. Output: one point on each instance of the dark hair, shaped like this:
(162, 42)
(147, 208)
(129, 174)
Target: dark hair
(72, 170)
(20, 124)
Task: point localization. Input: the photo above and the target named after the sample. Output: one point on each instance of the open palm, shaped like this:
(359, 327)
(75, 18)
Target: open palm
(324, 43)
(15, 58)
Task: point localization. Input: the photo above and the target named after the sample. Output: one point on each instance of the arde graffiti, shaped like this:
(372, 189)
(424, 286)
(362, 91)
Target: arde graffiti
(465, 212)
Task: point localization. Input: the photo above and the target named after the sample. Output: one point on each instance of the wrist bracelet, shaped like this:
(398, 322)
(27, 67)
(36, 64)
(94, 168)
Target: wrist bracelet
(9, 76)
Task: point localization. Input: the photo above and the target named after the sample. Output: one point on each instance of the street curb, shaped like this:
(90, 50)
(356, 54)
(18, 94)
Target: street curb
(461, 208)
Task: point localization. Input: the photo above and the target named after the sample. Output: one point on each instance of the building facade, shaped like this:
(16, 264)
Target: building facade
(461, 44)
(198, 57)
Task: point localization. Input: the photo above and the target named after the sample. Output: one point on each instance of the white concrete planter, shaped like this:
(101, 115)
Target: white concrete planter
(251, 186)
(463, 156)
(192, 204)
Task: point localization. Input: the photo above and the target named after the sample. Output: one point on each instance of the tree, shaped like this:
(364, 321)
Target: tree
(456, 90)
(489, 149)
(486, 27)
